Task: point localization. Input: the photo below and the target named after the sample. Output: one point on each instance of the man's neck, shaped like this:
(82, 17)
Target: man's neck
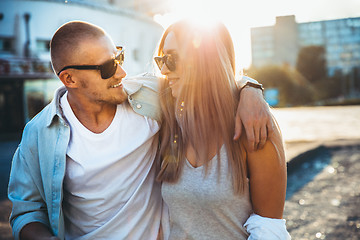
(96, 117)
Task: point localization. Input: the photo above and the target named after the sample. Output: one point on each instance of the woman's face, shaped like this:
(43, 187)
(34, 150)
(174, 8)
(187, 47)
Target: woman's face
(171, 48)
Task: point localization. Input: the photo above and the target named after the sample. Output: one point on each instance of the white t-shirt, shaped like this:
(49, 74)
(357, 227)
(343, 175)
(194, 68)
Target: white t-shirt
(109, 187)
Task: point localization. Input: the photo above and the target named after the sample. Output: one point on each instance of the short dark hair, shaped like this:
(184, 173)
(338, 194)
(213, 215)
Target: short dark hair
(67, 38)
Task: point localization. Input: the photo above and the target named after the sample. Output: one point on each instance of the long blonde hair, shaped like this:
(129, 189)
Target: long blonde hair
(206, 106)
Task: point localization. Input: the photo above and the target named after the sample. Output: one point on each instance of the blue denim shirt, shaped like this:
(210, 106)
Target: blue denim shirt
(38, 167)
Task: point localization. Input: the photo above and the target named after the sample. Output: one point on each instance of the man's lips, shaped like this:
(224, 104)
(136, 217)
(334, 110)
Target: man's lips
(116, 85)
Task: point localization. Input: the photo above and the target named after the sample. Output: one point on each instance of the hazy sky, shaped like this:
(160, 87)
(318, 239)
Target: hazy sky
(241, 15)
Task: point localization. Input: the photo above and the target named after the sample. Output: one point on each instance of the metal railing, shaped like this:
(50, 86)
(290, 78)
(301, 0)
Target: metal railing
(25, 68)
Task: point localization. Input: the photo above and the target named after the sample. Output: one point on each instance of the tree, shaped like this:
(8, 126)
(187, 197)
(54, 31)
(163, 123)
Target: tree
(293, 89)
(330, 88)
(311, 63)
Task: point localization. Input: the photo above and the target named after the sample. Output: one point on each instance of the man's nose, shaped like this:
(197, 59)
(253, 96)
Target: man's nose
(120, 72)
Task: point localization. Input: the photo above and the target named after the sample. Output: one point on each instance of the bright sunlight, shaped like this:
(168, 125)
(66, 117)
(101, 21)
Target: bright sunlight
(241, 15)
(205, 12)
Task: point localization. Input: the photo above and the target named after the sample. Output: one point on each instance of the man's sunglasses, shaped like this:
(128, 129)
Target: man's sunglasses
(168, 59)
(107, 69)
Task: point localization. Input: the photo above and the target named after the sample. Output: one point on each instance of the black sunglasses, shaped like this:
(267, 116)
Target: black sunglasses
(168, 59)
(107, 69)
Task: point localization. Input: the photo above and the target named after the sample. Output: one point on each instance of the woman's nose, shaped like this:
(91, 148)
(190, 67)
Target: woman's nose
(164, 70)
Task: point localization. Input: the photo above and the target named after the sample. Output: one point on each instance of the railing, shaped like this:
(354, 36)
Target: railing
(25, 68)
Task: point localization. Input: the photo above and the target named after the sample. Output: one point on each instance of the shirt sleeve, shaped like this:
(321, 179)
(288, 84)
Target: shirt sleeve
(263, 228)
(27, 203)
(143, 95)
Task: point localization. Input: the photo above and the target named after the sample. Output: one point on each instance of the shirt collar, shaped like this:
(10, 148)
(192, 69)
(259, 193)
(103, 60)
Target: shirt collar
(131, 86)
(54, 106)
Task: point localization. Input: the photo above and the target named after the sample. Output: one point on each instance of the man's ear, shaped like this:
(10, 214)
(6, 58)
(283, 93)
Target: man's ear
(67, 79)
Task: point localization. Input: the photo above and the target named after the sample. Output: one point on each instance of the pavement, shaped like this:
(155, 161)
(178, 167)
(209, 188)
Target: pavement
(323, 195)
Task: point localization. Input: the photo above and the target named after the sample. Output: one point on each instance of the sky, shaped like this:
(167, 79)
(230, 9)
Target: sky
(240, 15)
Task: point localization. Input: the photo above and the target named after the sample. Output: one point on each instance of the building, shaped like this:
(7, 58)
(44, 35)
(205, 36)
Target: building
(27, 82)
(280, 44)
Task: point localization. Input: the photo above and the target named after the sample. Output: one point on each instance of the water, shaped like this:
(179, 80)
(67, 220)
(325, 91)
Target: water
(315, 124)
(306, 171)
(319, 123)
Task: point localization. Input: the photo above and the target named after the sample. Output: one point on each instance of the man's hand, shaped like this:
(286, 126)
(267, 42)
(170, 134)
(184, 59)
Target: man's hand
(254, 113)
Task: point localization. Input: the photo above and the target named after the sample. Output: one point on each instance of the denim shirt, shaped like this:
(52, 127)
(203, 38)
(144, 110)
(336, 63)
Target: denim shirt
(38, 167)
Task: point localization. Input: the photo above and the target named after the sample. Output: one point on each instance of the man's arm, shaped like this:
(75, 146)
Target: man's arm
(254, 114)
(36, 231)
(28, 218)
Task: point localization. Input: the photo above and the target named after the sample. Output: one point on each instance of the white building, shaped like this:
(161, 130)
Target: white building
(26, 28)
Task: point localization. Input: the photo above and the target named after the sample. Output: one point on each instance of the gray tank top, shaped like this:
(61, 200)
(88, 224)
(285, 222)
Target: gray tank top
(205, 207)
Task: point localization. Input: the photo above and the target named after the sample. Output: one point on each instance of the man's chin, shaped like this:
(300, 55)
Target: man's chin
(120, 100)
(123, 97)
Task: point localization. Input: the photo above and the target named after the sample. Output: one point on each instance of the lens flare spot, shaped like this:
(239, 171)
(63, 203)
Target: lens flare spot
(197, 41)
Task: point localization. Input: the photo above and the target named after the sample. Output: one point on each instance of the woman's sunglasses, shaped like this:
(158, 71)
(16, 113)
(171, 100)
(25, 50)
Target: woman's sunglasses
(107, 69)
(168, 59)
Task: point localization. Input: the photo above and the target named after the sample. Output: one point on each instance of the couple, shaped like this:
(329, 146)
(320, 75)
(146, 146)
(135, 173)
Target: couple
(86, 165)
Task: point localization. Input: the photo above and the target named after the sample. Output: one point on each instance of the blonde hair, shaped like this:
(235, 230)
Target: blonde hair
(206, 106)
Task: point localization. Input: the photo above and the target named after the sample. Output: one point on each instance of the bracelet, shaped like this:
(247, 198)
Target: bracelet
(254, 85)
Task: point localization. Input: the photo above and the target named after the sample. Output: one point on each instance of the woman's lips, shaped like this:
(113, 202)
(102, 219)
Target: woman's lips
(172, 81)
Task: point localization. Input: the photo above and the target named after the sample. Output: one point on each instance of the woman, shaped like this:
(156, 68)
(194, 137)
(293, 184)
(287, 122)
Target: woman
(214, 187)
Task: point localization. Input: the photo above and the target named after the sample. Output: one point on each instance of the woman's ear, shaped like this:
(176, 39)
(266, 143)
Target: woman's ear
(67, 79)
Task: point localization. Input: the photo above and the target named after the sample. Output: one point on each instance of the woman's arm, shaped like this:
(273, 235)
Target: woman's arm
(267, 177)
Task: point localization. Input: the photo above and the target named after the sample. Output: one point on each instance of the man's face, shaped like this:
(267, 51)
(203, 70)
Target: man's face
(92, 87)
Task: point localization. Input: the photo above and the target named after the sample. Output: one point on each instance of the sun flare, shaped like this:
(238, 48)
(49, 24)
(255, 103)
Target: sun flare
(240, 15)
(206, 13)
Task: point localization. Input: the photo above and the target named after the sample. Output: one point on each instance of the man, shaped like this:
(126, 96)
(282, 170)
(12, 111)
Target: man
(85, 166)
